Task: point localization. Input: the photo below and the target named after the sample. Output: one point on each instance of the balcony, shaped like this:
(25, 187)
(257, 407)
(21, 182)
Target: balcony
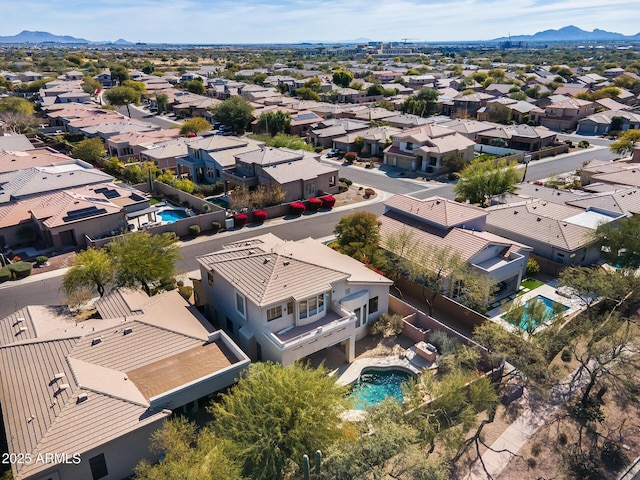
(239, 178)
(335, 326)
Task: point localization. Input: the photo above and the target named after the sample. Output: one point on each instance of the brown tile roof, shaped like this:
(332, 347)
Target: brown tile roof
(44, 377)
(436, 210)
(540, 221)
(275, 270)
(38, 157)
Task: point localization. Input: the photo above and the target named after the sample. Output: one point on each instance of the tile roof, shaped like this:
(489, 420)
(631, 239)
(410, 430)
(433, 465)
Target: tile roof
(15, 143)
(45, 377)
(540, 221)
(306, 168)
(270, 156)
(271, 271)
(38, 157)
(438, 211)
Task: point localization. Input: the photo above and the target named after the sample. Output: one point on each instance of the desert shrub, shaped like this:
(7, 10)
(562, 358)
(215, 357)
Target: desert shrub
(445, 344)
(533, 267)
(42, 259)
(21, 269)
(318, 149)
(297, 208)
(565, 356)
(240, 219)
(584, 465)
(387, 325)
(346, 181)
(260, 215)
(583, 144)
(590, 411)
(613, 456)
(531, 462)
(535, 449)
(350, 157)
(194, 230)
(328, 201)
(369, 192)
(569, 142)
(314, 204)
(215, 227)
(562, 438)
(186, 291)
(5, 274)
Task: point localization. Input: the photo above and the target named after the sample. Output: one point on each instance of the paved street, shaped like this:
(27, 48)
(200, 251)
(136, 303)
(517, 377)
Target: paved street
(47, 292)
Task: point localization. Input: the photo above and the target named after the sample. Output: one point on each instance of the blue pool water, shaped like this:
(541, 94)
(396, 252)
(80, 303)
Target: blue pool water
(171, 216)
(376, 385)
(551, 308)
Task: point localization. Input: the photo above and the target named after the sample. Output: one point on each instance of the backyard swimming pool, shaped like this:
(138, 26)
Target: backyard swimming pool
(171, 215)
(551, 308)
(374, 386)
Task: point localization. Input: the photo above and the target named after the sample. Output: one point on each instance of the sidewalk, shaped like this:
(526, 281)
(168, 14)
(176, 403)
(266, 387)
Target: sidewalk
(525, 427)
(380, 197)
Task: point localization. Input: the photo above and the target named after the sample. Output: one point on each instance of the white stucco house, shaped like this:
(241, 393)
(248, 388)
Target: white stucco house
(284, 300)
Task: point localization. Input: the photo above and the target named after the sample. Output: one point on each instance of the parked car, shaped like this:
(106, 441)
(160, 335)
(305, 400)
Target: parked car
(334, 152)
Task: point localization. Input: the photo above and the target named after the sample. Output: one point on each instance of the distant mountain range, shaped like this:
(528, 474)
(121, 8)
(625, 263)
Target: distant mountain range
(571, 34)
(565, 34)
(27, 36)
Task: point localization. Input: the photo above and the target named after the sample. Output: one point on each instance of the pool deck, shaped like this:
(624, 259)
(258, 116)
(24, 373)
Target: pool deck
(406, 360)
(548, 290)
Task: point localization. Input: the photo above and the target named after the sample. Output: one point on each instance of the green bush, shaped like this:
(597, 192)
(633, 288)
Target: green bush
(5, 274)
(186, 291)
(533, 267)
(387, 325)
(318, 149)
(583, 144)
(215, 227)
(613, 456)
(346, 181)
(562, 438)
(21, 269)
(565, 356)
(194, 230)
(42, 259)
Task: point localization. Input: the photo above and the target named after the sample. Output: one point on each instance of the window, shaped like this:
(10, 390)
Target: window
(409, 146)
(210, 278)
(373, 305)
(332, 181)
(273, 313)
(356, 312)
(312, 306)
(289, 308)
(240, 304)
(98, 466)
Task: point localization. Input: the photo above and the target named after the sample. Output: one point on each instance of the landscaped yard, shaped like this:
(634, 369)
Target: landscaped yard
(529, 284)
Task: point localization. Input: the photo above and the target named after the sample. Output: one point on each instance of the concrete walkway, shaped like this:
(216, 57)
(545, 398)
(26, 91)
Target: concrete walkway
(524, 427)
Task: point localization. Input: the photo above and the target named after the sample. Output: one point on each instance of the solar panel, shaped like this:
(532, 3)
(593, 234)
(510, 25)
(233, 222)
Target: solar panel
(108, 192)
(81, 213)
(306, 116)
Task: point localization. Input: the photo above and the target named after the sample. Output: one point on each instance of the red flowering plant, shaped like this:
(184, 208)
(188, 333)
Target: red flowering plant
(240, 219)
(260, 215)
(297, 208)
(314, 204)
(328, 201)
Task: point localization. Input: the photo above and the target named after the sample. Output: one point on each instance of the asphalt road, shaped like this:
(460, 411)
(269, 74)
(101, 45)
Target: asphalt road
(317, 225)
(138, 113)
(47, 292)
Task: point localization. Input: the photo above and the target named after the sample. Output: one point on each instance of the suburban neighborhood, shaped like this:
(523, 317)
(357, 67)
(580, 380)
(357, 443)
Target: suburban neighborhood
(359, 260)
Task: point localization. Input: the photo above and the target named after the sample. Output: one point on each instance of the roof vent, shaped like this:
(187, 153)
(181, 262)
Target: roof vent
(22, 329)
(127, 331)
(286, 262)
(515, 212)
(83, 397)
(539, 219)
(265, 261)
(59, 376)
(63, 386)
(19, 320)
(96, 341)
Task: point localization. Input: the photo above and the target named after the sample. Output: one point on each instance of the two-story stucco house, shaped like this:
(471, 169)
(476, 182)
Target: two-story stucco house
(437, 223)
(283, 301)
(424, 148)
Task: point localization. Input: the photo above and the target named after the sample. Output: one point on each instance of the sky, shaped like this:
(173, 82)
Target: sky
(291, 21)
